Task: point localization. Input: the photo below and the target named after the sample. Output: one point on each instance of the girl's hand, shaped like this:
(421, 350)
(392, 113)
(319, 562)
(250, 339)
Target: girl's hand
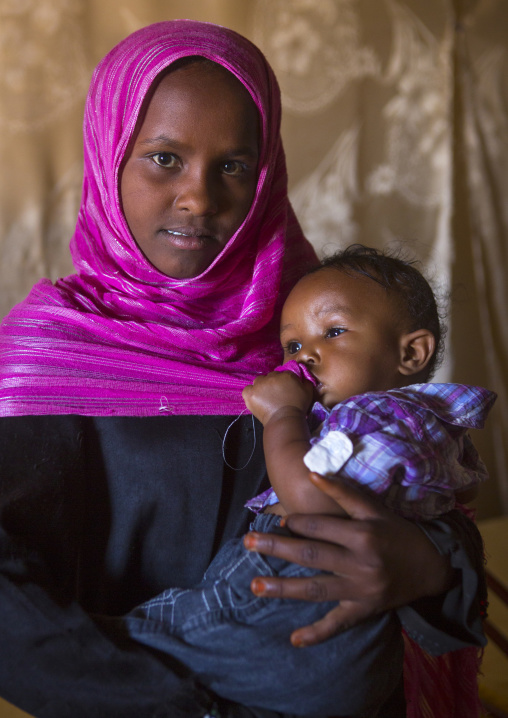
(275, 391)
(376, 561)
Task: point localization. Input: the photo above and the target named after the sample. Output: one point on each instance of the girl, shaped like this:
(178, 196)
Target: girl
(118, 384)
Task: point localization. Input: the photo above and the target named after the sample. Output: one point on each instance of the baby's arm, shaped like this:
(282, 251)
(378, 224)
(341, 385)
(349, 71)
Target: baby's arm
(280, 401)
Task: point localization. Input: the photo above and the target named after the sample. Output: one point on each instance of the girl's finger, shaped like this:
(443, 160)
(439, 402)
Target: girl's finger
(313, 554)
(322, 587)
(339, 619)
(352, 498)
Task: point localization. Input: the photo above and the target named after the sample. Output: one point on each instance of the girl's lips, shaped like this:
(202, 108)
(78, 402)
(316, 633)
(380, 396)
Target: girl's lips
(190, 239)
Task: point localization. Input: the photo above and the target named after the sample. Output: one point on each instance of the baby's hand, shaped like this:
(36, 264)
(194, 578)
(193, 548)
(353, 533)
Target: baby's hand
(277, 390)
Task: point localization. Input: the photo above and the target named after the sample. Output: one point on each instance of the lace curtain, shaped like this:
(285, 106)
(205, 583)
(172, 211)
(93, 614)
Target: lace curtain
(395, 127)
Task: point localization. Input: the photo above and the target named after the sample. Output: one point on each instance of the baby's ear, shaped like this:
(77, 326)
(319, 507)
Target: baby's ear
(416, 350)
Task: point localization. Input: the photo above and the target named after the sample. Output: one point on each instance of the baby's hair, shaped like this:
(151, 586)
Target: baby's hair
(399, 276)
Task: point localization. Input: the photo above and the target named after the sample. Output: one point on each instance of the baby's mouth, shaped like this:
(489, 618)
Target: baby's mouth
(317, 384)
(319, 389)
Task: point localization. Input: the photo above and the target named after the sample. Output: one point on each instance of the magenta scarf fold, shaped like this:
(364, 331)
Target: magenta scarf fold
(121, 338)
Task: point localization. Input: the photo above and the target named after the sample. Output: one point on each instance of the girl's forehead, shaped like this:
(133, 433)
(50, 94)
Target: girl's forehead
(194, 96)
(203, 83)
(199, 72)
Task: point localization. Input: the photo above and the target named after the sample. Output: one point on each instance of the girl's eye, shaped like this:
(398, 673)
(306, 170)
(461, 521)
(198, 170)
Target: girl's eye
(233, 167)
(334, 332)
(293, 347)
(165, 159)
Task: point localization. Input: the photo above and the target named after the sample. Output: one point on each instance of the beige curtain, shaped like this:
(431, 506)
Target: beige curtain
(395, 127)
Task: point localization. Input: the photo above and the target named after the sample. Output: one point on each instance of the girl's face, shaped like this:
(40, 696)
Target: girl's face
(190, 178)
(347, 330)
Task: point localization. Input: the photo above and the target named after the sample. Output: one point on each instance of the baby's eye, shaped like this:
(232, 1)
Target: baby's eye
(233, 167)
(165, 159)
(292, 347)
(334, 332)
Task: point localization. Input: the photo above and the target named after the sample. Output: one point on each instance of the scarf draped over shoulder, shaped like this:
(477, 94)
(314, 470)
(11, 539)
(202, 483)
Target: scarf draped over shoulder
(121, 338)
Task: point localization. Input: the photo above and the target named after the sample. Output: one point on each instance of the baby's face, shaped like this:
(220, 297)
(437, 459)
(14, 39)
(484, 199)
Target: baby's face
(348, 332)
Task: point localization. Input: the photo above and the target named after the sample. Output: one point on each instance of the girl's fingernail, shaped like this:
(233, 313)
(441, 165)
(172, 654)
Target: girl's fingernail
(297, 641)
(282, 521)
(250, 542)
(258, 586)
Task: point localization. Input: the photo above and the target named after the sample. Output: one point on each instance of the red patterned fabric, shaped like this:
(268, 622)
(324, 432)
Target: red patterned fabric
(441, 686)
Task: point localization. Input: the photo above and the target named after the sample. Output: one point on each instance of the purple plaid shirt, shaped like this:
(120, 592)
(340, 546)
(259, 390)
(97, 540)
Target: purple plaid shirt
(409, 445)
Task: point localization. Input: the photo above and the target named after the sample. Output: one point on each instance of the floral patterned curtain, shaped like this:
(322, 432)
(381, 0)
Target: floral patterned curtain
(396, 133)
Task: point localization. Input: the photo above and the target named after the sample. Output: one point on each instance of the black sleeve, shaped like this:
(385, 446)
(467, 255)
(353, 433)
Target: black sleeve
(55, 662)
(453, 620)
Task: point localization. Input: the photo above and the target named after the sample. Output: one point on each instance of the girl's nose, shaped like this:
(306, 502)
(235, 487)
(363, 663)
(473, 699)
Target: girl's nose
(197, 193)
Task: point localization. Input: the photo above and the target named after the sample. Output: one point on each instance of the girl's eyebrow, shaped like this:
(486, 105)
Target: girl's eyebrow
(161, 139)
(244, 151)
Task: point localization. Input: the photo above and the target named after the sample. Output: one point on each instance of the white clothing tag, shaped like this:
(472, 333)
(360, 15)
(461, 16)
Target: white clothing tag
(330, 454)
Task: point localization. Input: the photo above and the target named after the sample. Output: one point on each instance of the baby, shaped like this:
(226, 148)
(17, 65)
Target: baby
(361, 337)
(366, 328)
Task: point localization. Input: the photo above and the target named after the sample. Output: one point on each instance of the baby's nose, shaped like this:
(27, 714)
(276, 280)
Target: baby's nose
(308, 355)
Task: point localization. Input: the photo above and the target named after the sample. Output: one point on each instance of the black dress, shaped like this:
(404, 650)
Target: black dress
(100, 514)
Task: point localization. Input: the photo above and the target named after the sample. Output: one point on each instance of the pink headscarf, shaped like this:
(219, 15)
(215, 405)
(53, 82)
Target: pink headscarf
(121, 338)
